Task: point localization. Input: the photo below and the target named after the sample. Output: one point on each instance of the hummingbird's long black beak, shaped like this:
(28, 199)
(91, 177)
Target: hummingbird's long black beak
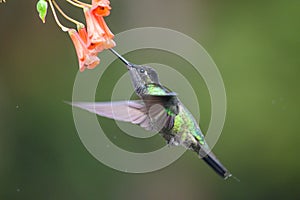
(128, 64)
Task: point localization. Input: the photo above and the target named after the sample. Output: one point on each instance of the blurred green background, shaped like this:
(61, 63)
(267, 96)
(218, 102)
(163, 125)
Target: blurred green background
(255, 45)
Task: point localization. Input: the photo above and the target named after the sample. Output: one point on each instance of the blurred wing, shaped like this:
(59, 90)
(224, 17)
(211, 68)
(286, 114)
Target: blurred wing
(127, 111)
(152, 117)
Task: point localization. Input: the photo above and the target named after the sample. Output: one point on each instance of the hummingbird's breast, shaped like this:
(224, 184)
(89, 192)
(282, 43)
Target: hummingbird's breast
(154, 89)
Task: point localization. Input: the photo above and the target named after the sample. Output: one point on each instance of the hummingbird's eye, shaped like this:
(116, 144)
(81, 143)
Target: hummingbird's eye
(142, 70)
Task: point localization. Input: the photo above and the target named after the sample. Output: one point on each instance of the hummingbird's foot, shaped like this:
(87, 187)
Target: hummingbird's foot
(173, 142)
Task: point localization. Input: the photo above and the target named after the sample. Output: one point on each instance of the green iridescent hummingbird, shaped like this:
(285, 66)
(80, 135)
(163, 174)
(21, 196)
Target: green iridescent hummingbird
(158, 109)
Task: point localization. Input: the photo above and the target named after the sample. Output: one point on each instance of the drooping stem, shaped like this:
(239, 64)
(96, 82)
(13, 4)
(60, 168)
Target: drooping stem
(82, 3)
(63, 28)
(66, 16)
(79, 5)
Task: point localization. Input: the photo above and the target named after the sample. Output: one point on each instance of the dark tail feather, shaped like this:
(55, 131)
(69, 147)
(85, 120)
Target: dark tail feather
(214, 163)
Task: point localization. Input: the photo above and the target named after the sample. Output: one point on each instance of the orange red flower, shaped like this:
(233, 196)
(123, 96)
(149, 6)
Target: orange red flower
(86, 59)
(97, 37)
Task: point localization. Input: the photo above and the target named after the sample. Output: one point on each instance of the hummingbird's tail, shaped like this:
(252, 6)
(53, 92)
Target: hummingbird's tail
(214, 163)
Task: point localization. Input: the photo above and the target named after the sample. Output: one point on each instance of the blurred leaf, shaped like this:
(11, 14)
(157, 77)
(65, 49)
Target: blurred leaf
(42, 7)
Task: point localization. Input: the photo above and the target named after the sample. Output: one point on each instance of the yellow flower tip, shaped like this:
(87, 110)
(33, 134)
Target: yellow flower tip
(71, 31)
(80, 26)
(86, 9)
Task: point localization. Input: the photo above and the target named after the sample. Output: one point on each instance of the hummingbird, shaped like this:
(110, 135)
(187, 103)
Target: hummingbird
(158, 109)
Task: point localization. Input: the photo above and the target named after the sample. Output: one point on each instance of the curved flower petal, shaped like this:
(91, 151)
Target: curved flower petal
(95, 32)
(101, 7)
(103, 25)
(83, 34)
(78, 44)
(91, 62)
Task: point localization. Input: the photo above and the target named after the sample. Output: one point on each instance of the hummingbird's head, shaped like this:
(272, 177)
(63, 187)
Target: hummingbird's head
(141, 76)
